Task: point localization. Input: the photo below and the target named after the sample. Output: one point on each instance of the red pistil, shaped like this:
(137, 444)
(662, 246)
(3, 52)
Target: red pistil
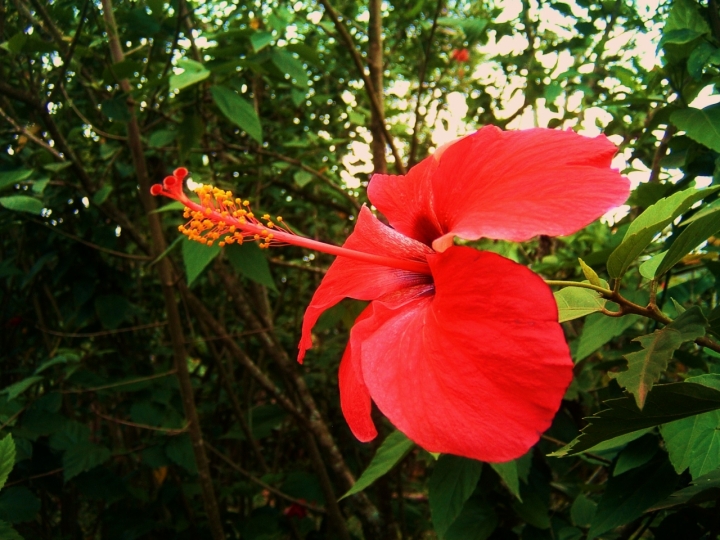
(221, 217)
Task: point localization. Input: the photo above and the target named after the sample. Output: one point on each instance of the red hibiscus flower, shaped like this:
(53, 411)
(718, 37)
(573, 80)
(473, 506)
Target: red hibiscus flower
(470, 359)
(460, 349)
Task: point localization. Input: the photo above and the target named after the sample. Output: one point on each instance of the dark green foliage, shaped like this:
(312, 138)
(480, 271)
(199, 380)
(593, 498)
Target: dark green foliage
(264, 99)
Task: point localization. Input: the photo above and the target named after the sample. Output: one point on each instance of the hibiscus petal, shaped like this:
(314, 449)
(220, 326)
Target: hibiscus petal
(479, 369)
(407, 201)
(514, 185)
(349, 278)
(354, 396)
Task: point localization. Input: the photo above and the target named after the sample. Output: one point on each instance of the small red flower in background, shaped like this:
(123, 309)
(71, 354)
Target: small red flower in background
(460, 55)
(296, 510)
(468, 359)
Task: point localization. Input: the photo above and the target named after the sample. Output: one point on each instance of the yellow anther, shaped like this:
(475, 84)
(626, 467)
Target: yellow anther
(222, 244)
(246, 203)
(208, 211)
(257, 237)
(279, 218)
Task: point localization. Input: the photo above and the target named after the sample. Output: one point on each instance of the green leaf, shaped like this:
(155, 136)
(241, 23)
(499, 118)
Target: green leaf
(627, 496)
(702, 489)
(196, 257)
(102, 194)
(260, 39)
(238, 111)
(190, 131)
(452, 482)
(649, 267)
(509, 474)
(116, 109)
(646, 366)
(7, 458)
(162, 137)
(57, 167)
(83, 457)
(393, 449)
(22, 203)
(112, 310)
(170, 207)
(653, 220)
(695, 233)
(591, 275)
(701, 125)
(575, 302)
(14, 390)
(302, 178)
(685, 15)
(636, 454)
(8, 533)
(600, 329)
(180, 450)
(513, 471)
(694, 442)
(10, 178)
(18, 505)
(683, 35)
(582, 511)
(250, 260)
(477, 521)
(291, 66)
(193, 72)
(666, 403)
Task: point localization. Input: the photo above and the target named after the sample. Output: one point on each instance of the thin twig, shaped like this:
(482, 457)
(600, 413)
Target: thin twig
(37, 140)
(262, 484)
(116, 385)
(98, 334)
(421, 85)
(169, 431)
(94, 246)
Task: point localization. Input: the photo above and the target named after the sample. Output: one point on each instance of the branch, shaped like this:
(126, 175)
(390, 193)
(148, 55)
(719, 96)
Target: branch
(99, 334)
(177, 338)
(37, 140)
(369, 88)
(169, 431)
(651, 311)
(421, 85)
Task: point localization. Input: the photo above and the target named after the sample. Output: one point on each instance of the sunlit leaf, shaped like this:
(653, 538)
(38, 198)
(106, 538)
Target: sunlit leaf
(393, 449)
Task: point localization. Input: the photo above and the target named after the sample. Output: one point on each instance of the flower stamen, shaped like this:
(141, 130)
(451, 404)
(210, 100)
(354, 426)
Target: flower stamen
(220, 217)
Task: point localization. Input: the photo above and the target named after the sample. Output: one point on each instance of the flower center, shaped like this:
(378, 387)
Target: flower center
(222, 218)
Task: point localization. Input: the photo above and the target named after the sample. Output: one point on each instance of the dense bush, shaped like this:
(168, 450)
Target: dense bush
(124, 345)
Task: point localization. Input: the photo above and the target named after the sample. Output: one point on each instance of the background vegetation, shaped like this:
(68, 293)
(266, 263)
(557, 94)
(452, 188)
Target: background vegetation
(122, 344)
